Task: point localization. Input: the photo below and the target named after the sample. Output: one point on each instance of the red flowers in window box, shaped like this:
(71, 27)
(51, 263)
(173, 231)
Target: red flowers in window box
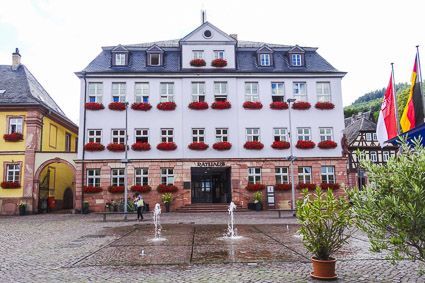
(278, 105)
(197, 105)
(305, 144)
(301, 105)
(327, 144)
(309, 186)
(281, 145)
(141, 189)
(10, 185)
(116, 189)
(94, 146)
(324, 105)
(166, 146)
(143, 106)
(119, 106)
(166, 188)
(198, 63)
(141, 146)
(252, 105)
(218, 105)
(94, 106)
(13, 137)
(166, 106)
(92, 189)
(219, 63)
(332, 186)
(255, 187)
(198, 146)
(253, 145)
(282, 187)
(222, 146)
(116, 147)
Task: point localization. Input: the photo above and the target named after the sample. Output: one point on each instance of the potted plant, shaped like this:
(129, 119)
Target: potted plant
(219, 105)
(142, 106)
(277, 105)
(301, 105)
(166, 146)
(220, 146)
(22, 208)
(327, 144)
(94, 106)
(198, 63)
(326, 225)
(166, 198)
(85, 207)
(198, 146)
(305, 144)
(252, 105)
(219, 63)
(166, 106)
(253, 145)
(118, 106)
(94, 146)
(13, 137)
(258, 196)
(198, 105)
(324, 105)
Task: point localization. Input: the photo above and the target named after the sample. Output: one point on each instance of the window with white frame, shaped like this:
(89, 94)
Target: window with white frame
(94, 136)
(300, 91)
(296, 59)
(118, 92)
(93, 177)
(325, 134)
(304, 174)
(198, 91)
(120, 59)
(385, 156)
(369, 136)
(167, 92)
(375, 137)
(278, 92)
(117, 177)
(167, 176)
(198, 54)
(265, 59)
(67, 142)
(373, 156)
(221, 135)
(323, 92)
(95, 92)
(251, 92)
(167, 135)
(220, 91)
(218, 54)
(154, 59)
(303, 134)
(142, 135)
(141, 92)
(282, 175)
(15, 125)
(141, 176)
(12, 172)
(118, 136)
(254, 175)
(280, 134)
(328, 174)
(252, 134)
(198, 135)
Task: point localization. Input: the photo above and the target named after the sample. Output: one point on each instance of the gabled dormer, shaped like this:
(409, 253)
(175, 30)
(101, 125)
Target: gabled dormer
(265, 56)
(296, 56)
(120, 56)
(155, 56)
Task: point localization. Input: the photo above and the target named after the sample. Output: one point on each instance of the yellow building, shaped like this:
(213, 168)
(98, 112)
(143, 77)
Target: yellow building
(38, 145)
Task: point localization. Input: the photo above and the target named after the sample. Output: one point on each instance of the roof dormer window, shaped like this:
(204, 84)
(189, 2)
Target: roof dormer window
(265, 59)
(155, 56)
(296, 56)
(120, 59)
(296, 59)
(120, 56)
(154, 59)
(265, 56)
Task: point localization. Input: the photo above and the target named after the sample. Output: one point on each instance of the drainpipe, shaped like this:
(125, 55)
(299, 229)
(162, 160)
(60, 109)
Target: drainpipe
(84, 138)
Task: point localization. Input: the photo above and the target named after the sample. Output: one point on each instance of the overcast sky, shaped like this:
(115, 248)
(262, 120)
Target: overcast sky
(57, 38)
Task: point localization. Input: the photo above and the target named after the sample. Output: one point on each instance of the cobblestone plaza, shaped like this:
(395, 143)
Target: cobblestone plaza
(82, 248)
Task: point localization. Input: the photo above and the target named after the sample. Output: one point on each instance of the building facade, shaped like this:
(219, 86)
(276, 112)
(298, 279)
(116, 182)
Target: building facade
(244, 87)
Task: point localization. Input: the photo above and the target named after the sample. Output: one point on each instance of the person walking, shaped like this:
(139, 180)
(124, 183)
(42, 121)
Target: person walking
(140, 208)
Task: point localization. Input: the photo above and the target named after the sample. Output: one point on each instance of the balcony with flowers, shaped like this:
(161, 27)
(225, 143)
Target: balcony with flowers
(327, 144)
(280, 145)
(301, 105)
(282, 187)
(219, 63)
(117, 106)
(94, 106)
(256, 145)
(255, 187)
(252, 105)
(141, 106)
(116, 189)
(324, 105)
(141, 146)
(92, 189)
(10, 185)
(198, 105)
(141, 189)
(198, 146)
(198, 63)
(221, 105)
(166, 106)
(305, 144)
(166, 188)
(13, 137)
(94, 146)
(221, 146)
(166, 146)
(116, 147)
(279, 105)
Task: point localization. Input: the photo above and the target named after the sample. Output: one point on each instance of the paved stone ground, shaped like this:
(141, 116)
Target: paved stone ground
(82, 248)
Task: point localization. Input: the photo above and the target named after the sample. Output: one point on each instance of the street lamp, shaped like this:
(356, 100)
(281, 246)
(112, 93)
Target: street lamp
(125, 161)
(291, 157)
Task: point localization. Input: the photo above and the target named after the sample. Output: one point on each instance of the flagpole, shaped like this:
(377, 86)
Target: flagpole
(420, 76)
(395, 100)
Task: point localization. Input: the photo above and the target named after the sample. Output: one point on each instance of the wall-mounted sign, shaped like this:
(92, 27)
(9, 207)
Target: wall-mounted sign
(210, 164)
(270, 196)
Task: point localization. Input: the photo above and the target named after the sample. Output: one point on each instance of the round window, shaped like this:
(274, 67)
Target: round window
(207, 33)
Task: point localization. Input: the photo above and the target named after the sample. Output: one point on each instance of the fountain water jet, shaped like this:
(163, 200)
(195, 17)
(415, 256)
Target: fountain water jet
(231, 232)
(156, 221)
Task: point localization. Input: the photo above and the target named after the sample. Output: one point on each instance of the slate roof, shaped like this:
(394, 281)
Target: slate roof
(368, 115)
(361, 125)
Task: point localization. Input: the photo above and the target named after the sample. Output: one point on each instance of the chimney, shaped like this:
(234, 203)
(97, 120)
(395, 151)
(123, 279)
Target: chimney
(16, 59)
(234, 36)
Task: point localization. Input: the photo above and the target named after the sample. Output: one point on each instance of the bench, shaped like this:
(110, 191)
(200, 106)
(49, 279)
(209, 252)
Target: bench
(280, 210)
(113, 213)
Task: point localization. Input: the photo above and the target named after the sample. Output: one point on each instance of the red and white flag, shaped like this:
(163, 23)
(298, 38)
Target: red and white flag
(387, 123)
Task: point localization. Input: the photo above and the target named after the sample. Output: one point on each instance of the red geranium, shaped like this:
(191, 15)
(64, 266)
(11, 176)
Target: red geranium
(305, 144)
(116, 147)
(119, 106)
(219, 63)
(301, 105)
(198, 63)
(94, 146)
(282, 187)
(197, 105)
(324, 105)
(255, 187)
(92, 189)
(309, 186)
(279, 105)
(252, 105)
(116, 189)
(221, 105)
(166, 146)
(94, 106)
(327, 144)
(198, 146)
(144, 106)
(166, 188)
(281, 145)
(253, 145)
(141, 146)
(10, 185)
(166, 106)
(141, 189)
(13, 137)
(332, 186)
(222, 146)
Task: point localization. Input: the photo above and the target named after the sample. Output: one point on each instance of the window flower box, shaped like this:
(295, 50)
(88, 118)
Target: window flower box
(219, 105)
(13, 137)
(166, 188)
(197, 105)
(115, 147)
(278, 105)
(305, 144)
(10, 185)
(255, 187)
(198, 146)
(253, 145)
(166, 146)
(198, 63)
(302, 186)
(166, 106)
(282, 187)
(141, 189)
(220, 146)
(116, 189)
(92, 189)
(252, 105)
(327, 144)
(324, 105)
(94, 146)
(301, 105)
(219, 63)
(141, 146)
(118, 106)
(332, 186)
(142, 106)
(281, 145)
(94, 106)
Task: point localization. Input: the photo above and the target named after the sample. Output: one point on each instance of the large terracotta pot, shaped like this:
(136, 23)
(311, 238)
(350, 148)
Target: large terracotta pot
(324, 269)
